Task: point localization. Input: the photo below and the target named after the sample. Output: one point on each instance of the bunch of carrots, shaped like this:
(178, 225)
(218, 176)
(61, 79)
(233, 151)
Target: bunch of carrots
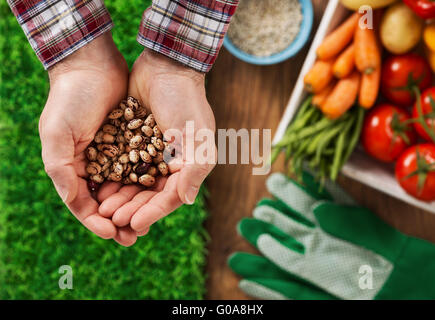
(348, 68)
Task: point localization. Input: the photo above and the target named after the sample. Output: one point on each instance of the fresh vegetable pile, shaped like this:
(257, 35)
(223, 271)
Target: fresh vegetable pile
(326, 129)
(353, 73)
(392, 130)
(399, 130)
(348, 66)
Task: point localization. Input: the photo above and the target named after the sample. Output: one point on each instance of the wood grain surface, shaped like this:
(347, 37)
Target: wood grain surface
(248, 96)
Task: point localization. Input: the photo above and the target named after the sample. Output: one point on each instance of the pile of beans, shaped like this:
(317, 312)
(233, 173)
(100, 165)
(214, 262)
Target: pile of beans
(128, 148)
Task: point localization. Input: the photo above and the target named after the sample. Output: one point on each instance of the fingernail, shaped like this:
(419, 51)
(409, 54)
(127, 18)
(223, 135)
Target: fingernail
(191, 195)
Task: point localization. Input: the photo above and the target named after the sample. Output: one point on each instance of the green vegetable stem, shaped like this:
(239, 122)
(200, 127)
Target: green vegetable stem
(321, 144)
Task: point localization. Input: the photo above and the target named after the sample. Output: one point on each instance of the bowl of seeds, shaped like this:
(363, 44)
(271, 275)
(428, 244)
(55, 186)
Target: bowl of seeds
(269, 31)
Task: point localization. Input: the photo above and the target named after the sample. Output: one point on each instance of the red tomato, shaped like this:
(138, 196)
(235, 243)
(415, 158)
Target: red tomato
(384, 135)
(402, 71)
(415, 171)
(428, 108)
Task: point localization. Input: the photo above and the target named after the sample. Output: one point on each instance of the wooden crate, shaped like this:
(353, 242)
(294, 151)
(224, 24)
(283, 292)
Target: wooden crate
(360, 166)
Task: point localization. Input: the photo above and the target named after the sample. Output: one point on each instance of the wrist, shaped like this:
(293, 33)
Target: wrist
(164, 65)
(99, 54)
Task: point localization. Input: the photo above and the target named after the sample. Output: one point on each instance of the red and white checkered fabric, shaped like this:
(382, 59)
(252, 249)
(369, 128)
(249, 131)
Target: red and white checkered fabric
(189, 31)
(57, 28)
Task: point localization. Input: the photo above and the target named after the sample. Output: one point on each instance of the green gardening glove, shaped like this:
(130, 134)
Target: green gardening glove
(319, 245)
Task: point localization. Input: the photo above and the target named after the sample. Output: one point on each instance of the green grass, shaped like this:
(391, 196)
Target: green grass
(38, 234)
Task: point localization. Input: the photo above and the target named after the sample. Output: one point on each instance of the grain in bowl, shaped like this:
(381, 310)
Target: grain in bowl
(265, 27)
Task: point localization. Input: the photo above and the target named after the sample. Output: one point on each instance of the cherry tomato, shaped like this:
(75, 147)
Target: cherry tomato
(428, 107)
(415, 171)
(400, 73)
(385, 135)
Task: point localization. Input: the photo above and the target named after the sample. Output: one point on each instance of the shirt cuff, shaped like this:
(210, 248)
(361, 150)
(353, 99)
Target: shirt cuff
(55, 29)
(189, 31)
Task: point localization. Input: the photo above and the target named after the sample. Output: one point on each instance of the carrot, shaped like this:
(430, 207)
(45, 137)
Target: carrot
(320, 97)
(319, 76)
(367, 50)
(342, 97)
(368, 93)
(337, 40)
(345, 63)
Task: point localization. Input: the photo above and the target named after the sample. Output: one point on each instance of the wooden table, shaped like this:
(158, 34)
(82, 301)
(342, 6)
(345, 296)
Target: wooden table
(248, 96)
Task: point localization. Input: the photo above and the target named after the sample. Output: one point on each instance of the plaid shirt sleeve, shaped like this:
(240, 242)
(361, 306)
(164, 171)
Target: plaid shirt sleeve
(57, 28)
(189, 31)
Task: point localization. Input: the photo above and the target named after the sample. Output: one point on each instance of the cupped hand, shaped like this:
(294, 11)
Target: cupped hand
(84, 87)
(175, 94)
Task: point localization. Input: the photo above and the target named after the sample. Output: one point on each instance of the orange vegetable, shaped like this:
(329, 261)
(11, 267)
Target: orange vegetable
(431, 58)
(319, 76)
(429, 36)
(342, 97)
(319, 98)
(367, 50)
(345, 63)
(369, 89)
(338, 39)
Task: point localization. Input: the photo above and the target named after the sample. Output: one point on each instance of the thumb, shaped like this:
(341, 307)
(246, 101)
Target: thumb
(190, 180)
(58, 157)
(193, 173)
